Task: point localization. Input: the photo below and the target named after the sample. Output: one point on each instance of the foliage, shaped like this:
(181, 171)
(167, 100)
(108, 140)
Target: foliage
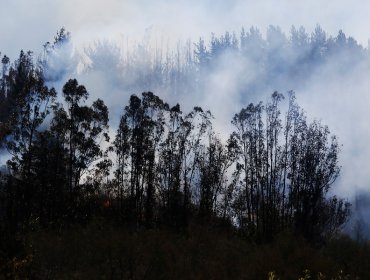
(45, 173)
(170, 167)
(74, 207)
(105, 250)
(277, 60)
(284, 171)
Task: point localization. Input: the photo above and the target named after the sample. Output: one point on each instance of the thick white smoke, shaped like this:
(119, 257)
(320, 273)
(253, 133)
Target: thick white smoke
(113, 70)
(108, 36)
(26, 23)
(334, 90)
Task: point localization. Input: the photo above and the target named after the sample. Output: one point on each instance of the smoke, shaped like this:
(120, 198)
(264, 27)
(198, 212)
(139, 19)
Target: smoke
(329, 92)
(334, 89)
(119, 48)
(27, 23)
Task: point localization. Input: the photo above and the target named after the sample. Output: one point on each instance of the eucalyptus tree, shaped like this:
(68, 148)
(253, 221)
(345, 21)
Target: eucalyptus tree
(170, 161)
(194, 129)
(31, 109)
(49, 168)
(80, 129)
(214, 162)
(5, 112)
(121, 148)
(157, 153)
(136, 146)
(27, 104)
(283, 172)
(249, 145)
(154, 110)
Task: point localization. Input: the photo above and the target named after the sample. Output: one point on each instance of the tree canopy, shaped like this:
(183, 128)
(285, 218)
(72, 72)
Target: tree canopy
(168, 167)
(165, 166)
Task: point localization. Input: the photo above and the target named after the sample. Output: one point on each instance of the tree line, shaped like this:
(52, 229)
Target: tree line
(163, 167)
(278, 59)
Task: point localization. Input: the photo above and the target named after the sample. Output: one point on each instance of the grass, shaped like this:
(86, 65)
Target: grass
(102, 250)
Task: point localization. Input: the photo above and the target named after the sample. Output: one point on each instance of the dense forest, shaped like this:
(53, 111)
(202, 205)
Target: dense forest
(167, 176)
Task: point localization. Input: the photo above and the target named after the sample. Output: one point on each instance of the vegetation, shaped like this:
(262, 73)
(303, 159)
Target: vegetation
(259, 62)
(103, 250)
(166, 197)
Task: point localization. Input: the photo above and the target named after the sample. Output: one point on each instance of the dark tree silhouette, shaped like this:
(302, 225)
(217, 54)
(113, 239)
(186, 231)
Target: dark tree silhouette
(81, 128)
(284, 172)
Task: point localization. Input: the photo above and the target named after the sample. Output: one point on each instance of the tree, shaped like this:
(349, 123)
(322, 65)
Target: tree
(214, 161)
(202, 56)
(80, 130)
(284, 172)
(28, 101)
(5, 112)
(49, 169)
(319, 45)
(136, 146)
(249, 144)
(157, 151)
(57, 60)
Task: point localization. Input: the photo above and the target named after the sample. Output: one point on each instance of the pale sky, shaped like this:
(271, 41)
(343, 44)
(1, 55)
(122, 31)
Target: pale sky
(28, 24)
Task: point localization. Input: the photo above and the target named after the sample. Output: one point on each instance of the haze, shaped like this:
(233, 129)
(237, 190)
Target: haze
(339, 101)
(27, 24)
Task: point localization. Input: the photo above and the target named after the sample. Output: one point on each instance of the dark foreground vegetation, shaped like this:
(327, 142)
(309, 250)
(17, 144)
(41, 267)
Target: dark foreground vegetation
(105, 250)
(165, 197)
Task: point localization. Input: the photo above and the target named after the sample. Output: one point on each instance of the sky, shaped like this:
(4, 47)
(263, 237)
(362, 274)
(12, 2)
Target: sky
(29, 23)
(340, 103)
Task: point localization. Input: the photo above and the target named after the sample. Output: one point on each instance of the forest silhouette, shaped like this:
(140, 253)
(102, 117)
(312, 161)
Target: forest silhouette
(167, 177)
